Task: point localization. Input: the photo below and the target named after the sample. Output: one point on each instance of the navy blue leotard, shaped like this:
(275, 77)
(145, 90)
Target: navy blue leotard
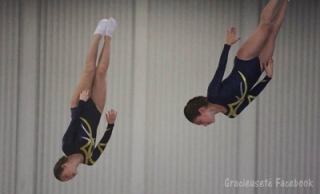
(237, 90)
(80, 136)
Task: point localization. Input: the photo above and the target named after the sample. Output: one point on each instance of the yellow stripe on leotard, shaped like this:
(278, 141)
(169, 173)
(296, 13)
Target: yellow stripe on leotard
(235, 105)
(87, 148)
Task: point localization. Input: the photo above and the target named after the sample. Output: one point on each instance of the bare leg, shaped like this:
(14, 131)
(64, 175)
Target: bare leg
(88, 74)
(253, 46)
(268, 49)
(99, 89)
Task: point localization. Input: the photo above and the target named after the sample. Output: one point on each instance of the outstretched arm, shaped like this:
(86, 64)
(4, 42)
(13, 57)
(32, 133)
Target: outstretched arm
(214, 85)
(232, 36)
(111, 118)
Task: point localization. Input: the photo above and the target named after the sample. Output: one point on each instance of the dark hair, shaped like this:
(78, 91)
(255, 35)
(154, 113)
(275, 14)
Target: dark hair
(57, 170)
(191, 110)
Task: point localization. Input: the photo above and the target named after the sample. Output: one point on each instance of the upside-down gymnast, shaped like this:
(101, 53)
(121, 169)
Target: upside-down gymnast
(87, 104)
(234, 93)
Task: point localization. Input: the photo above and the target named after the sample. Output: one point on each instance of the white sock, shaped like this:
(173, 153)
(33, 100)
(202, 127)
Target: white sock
(102, 26)
(112, 24)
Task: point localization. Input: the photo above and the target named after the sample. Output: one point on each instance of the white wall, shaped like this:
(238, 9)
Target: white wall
(9, 74)
(288, 112)
(163, 53)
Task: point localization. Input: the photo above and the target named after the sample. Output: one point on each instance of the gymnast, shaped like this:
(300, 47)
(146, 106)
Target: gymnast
(87, 104)
(234, 93)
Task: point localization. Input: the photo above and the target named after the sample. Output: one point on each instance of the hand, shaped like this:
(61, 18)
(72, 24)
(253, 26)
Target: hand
(84, 95)
(232, 36)
(268, 67)
(111, 116)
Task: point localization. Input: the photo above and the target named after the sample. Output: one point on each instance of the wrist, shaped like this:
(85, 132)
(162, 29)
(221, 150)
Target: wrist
(83, 99)
(269, 77)
(110, 125)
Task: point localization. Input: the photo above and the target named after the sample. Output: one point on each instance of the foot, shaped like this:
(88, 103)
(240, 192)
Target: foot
(112, 24)
(102, 26)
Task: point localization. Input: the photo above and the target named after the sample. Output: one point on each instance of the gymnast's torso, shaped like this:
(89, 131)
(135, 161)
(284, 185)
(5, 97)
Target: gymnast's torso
(80, 136)
(238, 89)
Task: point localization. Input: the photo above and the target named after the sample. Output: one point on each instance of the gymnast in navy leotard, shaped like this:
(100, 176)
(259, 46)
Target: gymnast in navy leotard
(236, 91)
(87, 104)
(233, 94)
(80, 136)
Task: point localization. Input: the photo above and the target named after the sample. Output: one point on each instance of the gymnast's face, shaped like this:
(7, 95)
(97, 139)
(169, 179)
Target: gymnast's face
(205, 118)
(69, 172)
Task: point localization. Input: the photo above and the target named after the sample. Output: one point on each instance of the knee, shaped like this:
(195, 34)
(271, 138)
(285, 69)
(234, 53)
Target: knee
(266, 20)
(266, 26)
(101, 72)
(90, 68)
